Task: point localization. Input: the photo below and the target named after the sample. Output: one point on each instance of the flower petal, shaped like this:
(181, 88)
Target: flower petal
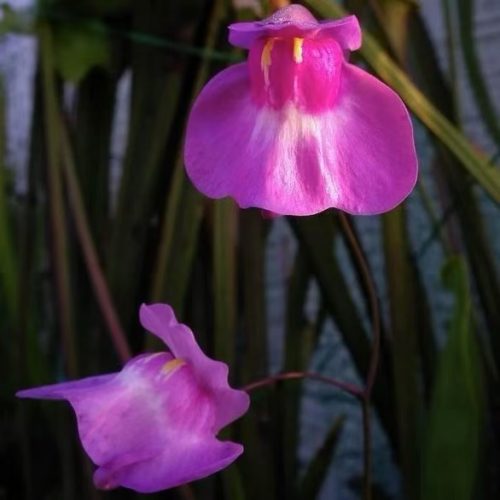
(346, 31)
(244, 34)
(368, 143)
(359, 156)
(107, 407)
(297, 21)
(62, 391)
(122, 417)
(200, 460)
(230, 403)
(159, 432)
(149, 427)
(259, 156)
(293, 20)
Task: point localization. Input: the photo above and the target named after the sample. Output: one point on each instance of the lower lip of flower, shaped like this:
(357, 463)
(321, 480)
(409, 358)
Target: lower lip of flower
(303, 71)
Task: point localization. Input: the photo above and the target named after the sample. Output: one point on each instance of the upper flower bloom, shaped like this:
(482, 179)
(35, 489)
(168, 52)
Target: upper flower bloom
(152, 426)
(297, 129)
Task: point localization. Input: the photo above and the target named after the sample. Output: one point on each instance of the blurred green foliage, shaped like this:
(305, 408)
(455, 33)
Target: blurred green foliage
(83, 247)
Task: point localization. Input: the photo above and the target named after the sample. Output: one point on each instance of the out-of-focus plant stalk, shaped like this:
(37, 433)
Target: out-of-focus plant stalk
(367, 447)
(486, 106)
(58, 237)
(300, 339)
(255, 431)
(8, 264)
(14, 361)
(225, 222)
(406, 331)
(431, 211)
(58, 234)
(89, 251)
(317, 470)
(451, 49)
(156, 89)
(173, 203)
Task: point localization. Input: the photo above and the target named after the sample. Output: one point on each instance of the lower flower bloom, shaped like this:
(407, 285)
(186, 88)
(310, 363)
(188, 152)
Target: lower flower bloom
(153, 425)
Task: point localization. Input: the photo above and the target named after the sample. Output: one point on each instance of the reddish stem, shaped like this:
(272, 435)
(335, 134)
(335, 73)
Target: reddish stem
(372, 293)
(352, 389)
(374, 360)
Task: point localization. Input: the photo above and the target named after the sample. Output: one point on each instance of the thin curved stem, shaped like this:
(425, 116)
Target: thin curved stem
(351, 389)
(375, 355)
(370, 286)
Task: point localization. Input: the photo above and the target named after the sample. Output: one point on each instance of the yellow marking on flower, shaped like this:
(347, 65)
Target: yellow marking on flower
(297, 49)
(265, 60)
(171, 365)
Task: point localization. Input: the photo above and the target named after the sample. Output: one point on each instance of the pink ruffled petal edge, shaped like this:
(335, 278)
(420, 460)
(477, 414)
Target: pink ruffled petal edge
(197, 461)
(345, 31)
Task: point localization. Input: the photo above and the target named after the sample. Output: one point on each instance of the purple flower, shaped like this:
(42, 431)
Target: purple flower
(297, 129)
(153, 425)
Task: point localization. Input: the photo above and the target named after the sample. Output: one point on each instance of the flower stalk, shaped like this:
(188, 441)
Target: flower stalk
(58, 234)
(362, 394)
(375, 354)
(351, 389)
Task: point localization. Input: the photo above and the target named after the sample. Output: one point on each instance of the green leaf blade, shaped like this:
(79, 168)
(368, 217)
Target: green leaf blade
(78, 48)
(452, 445)
(317, 470)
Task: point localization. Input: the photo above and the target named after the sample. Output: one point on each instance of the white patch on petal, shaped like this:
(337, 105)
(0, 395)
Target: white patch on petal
(282, 130)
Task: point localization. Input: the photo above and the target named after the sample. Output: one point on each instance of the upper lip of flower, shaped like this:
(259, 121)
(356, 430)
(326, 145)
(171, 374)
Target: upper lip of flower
(346, 31)
(286, 23)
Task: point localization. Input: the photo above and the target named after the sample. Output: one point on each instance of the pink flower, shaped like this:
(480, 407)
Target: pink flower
(153, 425)
(297, 129)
